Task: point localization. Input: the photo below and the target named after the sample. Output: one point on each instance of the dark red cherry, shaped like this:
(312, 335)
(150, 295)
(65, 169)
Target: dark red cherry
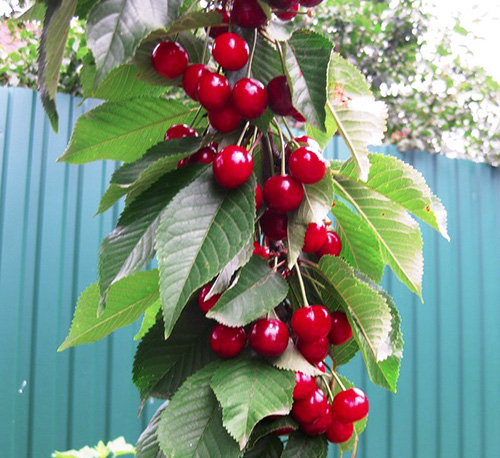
(248, 13)
(314, 351)
(227, 342)
(332, 245)
(205, 155)
(297, 115)
(283, 4)
(341, 330)
(217, 30)
(191, 78)
(315, 237)
(306, 165)
(274, 225)
(268, 337)
(213, 91)
(350, 405)
(283, 431)
(182, 163)
(225, 120)
(311, 408)
(339, 432)
(232, 166)
(230, 51)
(290, 14)
(179, 131)
(249, 97)
(169, 59)
(311, 323)
(260, 250)
(319, 426)
(279, 95)
(303, 140)
(206, 305)
(304, 385)
(258, 197)
(283, 193)
(310, 3)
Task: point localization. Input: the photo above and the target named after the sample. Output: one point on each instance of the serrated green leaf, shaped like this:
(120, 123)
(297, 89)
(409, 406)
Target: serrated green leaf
(112, 195)
(292, 360)
(147, 444)
(200, 231)
(249, 390)
(267, 447)
(127, 300)
(300, 445)
(323, 138)
(124, 130)
(342, 354)
(195, 20)
(258, 291)
(161, 366)
(360, 246)
(268, 426)
(191, 426)
(149, 319)
(317, 201)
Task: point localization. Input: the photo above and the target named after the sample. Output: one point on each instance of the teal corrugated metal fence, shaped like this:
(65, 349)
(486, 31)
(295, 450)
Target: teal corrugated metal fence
(448, 401)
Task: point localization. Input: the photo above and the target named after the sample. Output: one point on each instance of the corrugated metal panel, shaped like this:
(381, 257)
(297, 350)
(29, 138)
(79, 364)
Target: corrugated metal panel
(447, 403)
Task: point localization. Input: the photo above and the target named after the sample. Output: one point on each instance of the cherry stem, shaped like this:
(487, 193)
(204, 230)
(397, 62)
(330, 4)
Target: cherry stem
(292, 139)
(355, 448)
(250, 61)
(302, 287)
(205, 46)
(341, 452)
(196, 116)
(337, 378)
(255, 140)
(243, 132)
(270, 153)
(282, 144)
(324, 376)
(282, 58)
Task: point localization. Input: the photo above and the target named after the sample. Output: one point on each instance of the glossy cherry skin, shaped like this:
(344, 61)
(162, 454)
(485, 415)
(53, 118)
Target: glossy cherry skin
(350, 405)
(183, 162)
(311, 408)
(314, 351)
(341, 330)
(227, 342)
(311, 323)
(248, 13)
(319, 426)
(249, 97)
(230, 51)
(268, 337)
(258, 197)
(283, 4)
(213, 91)
(339, 432)
(297, 115)
(205, 155)
(332, 245)
(225, 120)
(303, 140)
(274, 225)
(290, 14)
(282, 193)
(310, 3)
(232, 166)
(206, 305)
(260, 250)
(315, 237)
(191, 78)
(279, 96)
(321, 366)
(218, 30)
(179, 131)
(306, 165)
(169, 59)
(304, 386)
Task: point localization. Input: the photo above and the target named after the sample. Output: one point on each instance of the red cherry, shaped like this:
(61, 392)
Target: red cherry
(310, 3)
(279, 95)
(182, 163)
(319, 426)
(283, 4)
(274, 225)
(169, 59)
(258, 197)
(283, 431)
(304, 386)
(260, 250)
(303, 140)
(204, 155)
(232, 166)
(311, 408)
(311, 323)
(321, 366)
(290, 14)
(332, 245)
(297, 115)
(206, 305)
(339, 432)
(315, 237)
(314, 351)
(248, 13)
(282, 193)
(225, 120)
(249, 97)
(179, 131)
(217, 30)
(268, 337)
(230, 51)
(306, 165)
(350, 405)
(341, 330)
(213, 91)
(227, 342)
(191, 78)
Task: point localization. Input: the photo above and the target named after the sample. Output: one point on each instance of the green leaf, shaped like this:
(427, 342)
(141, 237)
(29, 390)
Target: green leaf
(317, 201)
(323, 138)
(161, 366)
(116, 27)
(195, 20)
(147, 444)
(127, 300)
(259, 290)
(50, 53)
(342, 354)
(292, 360)
(249, 390)
(112, 195)
(360, 246)
(191, 426)
(267, 447)
(149, 319)
(35, 12)
(200, 231)
(270, 425)
(307, 55)
(123, 130)
(300, 445)
(361, 120)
